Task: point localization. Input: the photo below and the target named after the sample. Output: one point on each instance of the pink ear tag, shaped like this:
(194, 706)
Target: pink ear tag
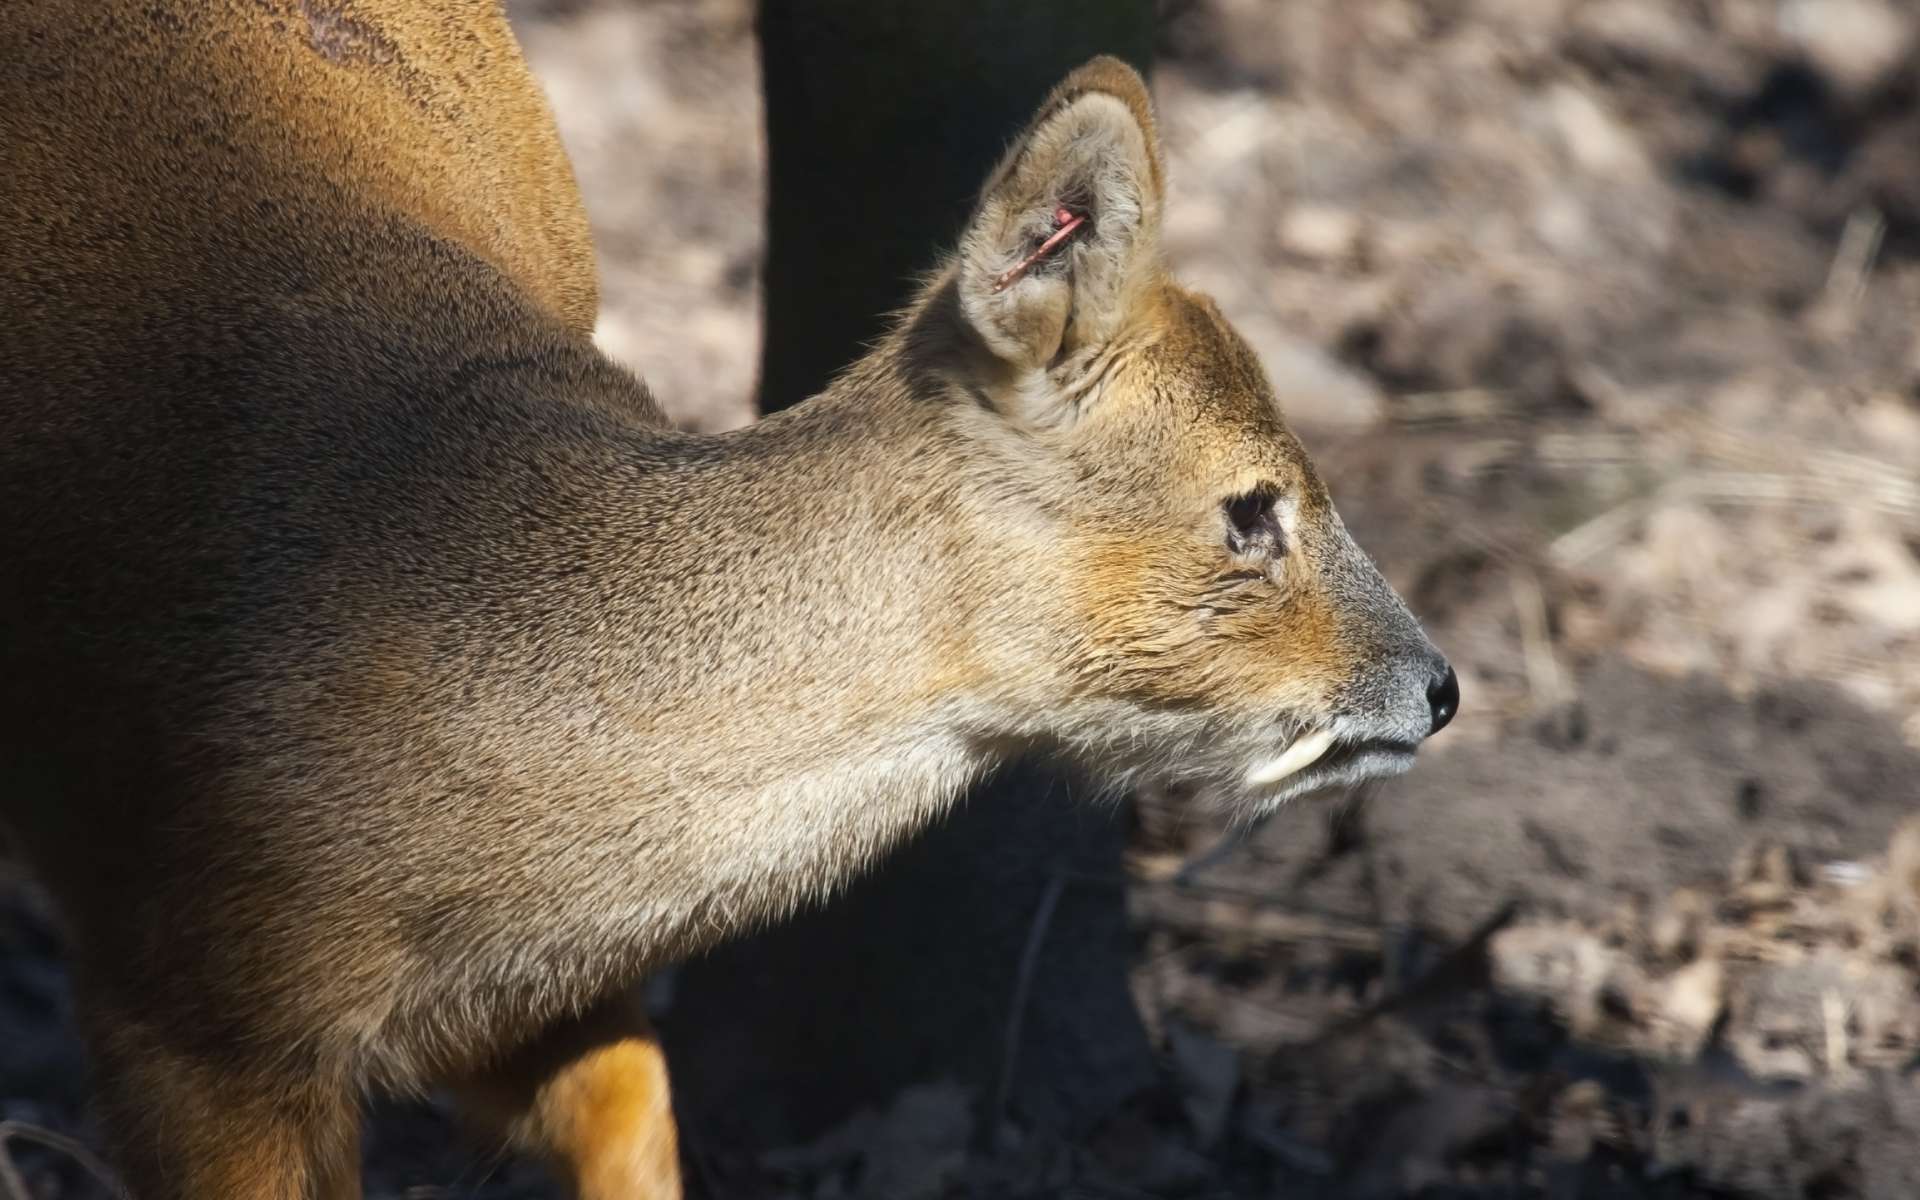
(1065, 221)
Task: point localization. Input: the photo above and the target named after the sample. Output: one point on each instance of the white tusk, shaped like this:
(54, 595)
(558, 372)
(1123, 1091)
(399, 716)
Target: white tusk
(1298, 757)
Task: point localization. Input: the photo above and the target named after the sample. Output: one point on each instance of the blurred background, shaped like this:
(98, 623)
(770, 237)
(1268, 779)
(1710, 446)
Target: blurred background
(1602, 320)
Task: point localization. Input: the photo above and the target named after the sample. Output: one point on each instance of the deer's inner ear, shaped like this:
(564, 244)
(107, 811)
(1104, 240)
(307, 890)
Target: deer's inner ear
(1088, 166)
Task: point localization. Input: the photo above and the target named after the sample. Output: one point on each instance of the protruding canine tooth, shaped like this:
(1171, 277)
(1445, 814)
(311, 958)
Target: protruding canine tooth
(1298, 757)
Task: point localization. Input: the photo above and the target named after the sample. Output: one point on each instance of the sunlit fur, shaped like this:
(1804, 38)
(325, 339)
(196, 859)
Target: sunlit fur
(383, 685)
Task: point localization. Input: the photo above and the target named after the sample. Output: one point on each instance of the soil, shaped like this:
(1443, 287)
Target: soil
(1600, 319)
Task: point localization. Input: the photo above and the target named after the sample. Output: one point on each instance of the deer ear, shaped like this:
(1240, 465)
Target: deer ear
(1090, 153)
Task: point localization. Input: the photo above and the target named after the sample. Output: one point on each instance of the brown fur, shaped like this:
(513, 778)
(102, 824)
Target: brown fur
(382, 684)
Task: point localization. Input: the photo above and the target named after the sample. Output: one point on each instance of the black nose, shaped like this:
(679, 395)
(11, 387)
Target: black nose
(1443, 698)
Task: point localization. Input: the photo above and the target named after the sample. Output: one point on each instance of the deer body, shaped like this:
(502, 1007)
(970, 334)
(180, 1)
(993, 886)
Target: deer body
(383, 686)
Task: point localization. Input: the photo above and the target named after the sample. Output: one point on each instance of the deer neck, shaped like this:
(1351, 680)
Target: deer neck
(801, 682)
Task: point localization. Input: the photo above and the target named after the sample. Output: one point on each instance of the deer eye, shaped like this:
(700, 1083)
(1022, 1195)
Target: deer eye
(1253, 523)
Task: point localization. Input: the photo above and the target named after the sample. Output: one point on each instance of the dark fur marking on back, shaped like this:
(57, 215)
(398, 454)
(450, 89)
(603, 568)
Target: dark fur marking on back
(339, 38)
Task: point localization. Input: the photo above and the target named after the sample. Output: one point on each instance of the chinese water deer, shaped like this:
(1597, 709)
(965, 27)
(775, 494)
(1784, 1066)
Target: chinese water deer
(383, 686)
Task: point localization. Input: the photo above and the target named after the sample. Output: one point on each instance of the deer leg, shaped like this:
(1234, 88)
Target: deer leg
(187, 1127)
(590, 1095)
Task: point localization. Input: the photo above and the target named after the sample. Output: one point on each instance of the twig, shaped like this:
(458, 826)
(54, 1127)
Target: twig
(15, 1185)
(1601, 532)
(1250, 897)
(1821, 483)
(1846, 476)
(1462, 961)
(10, 1181)
(1017, 1008)
(1460, 405)
(1853, 258)
(1206, 860)
(1536, 639)
(1256, 918)
(1833, 1017)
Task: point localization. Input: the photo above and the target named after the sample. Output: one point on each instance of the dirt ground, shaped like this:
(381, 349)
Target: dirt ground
(1600, 317)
